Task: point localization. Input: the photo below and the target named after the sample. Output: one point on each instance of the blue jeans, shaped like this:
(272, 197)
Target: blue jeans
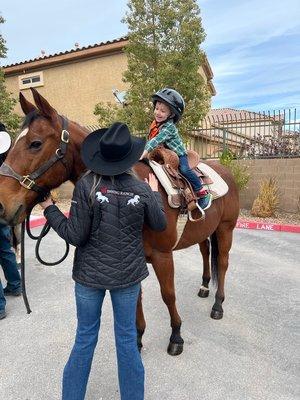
(8, 263)
(189, 174)
(130, 367)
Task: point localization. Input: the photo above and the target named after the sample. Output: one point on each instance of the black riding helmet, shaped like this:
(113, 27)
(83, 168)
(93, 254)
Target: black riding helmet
(173, 99)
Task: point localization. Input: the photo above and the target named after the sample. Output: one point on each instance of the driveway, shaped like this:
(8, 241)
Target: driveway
(250, 354)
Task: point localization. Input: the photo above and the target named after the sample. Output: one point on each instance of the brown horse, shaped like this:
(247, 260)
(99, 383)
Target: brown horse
(32, 169)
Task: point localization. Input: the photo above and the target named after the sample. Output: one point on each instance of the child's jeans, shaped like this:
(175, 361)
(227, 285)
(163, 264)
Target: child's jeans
(189, 174)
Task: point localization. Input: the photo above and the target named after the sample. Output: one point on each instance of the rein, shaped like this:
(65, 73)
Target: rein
(28, 182)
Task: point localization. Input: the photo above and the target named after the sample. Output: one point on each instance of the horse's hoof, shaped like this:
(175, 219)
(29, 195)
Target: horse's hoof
(174, 349)
(216, 314)
(203, 292)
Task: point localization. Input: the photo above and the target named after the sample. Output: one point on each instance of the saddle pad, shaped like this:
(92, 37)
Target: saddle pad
(218, 188)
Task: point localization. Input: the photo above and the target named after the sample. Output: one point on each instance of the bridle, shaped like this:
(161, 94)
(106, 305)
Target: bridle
(28, 182)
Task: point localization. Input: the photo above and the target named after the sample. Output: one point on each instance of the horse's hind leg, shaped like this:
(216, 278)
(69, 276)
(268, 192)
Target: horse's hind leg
(205, 250)
(140, 321)
(224, 242)
(164, 268)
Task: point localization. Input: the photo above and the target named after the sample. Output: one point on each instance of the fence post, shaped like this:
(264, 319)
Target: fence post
(224, 139)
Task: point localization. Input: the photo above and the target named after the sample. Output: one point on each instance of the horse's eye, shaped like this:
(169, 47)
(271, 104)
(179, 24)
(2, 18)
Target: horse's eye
(35, 145)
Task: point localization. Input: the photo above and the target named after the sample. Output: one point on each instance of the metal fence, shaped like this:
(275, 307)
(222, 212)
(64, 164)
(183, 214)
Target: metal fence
(248, 134)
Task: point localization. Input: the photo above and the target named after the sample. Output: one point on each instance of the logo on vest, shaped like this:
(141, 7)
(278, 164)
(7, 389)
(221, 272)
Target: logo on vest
(101, 198)
(135, 200)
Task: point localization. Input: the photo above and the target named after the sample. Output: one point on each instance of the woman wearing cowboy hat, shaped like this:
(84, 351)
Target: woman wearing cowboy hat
(7, 256)
(109, 208)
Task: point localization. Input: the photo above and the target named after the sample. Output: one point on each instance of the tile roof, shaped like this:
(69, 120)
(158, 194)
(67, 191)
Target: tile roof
(85, 52)
(227, 115)
(79, 49)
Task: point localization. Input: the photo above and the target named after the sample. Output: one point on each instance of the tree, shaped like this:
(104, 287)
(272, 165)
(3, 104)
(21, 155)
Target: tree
(163, 51)
(7, 103)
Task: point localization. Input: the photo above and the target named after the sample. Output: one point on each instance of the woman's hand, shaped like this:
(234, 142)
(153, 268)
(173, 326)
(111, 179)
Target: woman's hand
(46, 203)
(152, 182)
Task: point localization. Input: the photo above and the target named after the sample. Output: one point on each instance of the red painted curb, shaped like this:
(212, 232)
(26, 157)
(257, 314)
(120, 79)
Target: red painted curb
(267, 226)
(39, 221)
(241, 224)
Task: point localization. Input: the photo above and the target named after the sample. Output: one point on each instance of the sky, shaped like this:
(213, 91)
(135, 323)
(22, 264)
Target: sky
(253, 46)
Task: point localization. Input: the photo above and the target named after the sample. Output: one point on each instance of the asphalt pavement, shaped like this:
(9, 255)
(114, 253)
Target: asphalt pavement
(251, 354)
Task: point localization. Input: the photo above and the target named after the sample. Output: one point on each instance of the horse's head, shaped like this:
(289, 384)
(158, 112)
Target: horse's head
(44, 155)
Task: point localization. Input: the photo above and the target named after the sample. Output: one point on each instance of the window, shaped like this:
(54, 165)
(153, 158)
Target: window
(31, 80)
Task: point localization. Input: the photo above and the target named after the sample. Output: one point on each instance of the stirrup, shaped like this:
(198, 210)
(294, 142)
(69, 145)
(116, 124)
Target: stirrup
(202, 212)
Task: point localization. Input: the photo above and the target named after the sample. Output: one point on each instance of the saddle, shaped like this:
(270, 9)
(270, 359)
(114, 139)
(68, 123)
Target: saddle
(169, 162)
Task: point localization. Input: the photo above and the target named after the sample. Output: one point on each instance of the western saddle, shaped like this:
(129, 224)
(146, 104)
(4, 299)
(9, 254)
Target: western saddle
(169, 161)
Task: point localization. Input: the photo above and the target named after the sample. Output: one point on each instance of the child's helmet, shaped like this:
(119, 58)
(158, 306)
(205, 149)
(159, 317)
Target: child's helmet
(173, 99)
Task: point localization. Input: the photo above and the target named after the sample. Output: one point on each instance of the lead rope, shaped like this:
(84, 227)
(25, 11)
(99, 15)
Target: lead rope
(44, 231)
(25, 299)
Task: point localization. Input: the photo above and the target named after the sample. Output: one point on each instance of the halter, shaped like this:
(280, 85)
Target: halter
(28, 181)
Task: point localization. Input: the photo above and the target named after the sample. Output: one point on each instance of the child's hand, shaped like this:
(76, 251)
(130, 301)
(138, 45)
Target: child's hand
(152, 182)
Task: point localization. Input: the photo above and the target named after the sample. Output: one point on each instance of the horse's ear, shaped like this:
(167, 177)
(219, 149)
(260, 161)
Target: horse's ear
(26, 106)
(43, 106)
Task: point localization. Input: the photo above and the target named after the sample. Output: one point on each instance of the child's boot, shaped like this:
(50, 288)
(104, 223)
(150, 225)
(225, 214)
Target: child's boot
(204, 199)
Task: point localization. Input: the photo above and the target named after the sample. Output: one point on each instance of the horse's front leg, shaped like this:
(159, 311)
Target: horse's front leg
(163, 265)
(140, 321)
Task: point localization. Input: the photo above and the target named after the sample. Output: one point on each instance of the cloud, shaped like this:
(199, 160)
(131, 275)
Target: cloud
(248, 22)
(254, 51)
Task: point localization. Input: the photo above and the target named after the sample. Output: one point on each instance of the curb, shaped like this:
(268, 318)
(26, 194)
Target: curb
(267, 226)
(36, 221)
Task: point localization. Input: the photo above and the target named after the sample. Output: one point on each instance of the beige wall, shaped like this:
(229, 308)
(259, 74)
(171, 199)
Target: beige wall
(287, 174)
(74, 89)
(286, 171)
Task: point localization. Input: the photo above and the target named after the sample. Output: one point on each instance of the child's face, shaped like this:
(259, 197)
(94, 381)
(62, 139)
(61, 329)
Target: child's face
(161, 112)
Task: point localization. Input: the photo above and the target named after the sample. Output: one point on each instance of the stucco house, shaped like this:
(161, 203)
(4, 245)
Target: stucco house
(74, 81)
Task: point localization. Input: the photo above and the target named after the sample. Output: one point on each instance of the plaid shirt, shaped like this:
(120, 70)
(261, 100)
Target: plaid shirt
(169, 136)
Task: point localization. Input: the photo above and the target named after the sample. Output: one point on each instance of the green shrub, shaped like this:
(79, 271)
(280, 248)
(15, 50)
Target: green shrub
(239, 171)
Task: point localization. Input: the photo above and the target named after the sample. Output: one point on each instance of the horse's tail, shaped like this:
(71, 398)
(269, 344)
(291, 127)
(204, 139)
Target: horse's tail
(214, 257)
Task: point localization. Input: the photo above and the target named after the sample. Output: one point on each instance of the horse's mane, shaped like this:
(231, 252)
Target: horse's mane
(82, 127)
(35, 114)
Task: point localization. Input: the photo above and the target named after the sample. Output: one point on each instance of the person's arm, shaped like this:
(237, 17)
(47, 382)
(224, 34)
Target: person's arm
(155, 216)
(75, 229)
(164, 133)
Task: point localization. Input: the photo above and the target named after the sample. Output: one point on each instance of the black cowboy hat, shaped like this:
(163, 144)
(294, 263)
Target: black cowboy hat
(111, 151)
